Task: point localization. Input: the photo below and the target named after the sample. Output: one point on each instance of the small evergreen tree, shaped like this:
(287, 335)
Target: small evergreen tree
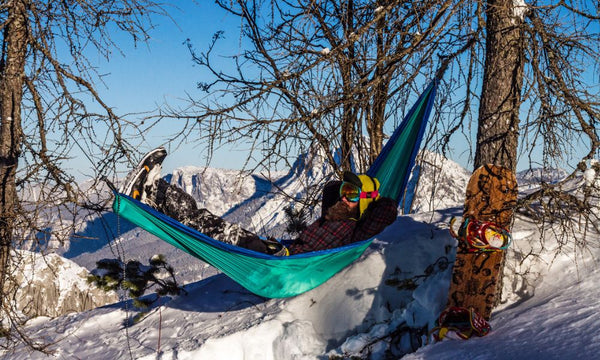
(135, 278)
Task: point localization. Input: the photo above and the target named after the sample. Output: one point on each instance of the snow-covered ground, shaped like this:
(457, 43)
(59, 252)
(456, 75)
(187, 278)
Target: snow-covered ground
(550, 308)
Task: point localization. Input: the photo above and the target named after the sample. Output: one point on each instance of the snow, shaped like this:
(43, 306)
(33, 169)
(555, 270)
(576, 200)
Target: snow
(520, 9)
(549, 308)
(561, 322)
(589, 176)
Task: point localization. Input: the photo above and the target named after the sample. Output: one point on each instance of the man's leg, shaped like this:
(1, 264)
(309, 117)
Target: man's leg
(145, 184)
(181, 206)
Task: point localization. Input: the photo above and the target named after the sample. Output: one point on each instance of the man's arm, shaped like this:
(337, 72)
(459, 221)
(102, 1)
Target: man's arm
(378, 216)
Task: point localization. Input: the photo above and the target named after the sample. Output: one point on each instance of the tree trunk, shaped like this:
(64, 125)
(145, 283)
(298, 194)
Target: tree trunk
(380, 94)
(498, 130)
(11, 92)
(348, 120)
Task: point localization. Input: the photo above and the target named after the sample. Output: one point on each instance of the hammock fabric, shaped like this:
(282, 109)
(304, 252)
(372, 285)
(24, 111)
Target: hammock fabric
(278, 277)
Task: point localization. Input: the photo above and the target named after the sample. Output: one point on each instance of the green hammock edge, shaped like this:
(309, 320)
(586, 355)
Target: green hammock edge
(263, 275)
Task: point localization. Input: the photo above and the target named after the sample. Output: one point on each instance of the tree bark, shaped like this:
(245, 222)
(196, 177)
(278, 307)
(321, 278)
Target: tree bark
(12, 71)
(498, 128)
(349, 112)
(380, 94)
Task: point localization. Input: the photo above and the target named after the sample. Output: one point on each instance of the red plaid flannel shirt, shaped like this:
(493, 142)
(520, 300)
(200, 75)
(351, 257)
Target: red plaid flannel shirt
(323, 234)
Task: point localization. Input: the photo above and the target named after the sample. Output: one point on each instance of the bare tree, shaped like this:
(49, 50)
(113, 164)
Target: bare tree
(500, 102)
(536, 91)
(534, 56)
(46, 95)
(561, 84)
(324, 73)
(530, 89)
(332, 74)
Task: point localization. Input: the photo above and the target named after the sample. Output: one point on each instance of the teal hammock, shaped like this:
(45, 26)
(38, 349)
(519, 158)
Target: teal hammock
(279, 277)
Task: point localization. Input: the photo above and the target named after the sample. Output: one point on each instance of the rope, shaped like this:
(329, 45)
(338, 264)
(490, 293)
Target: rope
(120, 245)
(120, 251)
(159, 328)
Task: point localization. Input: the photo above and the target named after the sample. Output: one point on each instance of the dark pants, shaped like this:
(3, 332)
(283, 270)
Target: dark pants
(181, 206)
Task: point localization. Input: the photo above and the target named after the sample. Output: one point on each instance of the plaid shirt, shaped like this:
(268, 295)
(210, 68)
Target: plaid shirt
(323, 234)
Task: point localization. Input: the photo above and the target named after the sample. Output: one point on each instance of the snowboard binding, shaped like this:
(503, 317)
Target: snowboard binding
(481, 235)
(463, 322)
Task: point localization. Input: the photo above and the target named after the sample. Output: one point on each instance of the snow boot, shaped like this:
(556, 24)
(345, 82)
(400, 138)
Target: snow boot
(140, 183)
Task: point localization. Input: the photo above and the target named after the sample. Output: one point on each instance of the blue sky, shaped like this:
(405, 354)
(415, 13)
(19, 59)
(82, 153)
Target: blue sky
(162, 71)
(143, 76)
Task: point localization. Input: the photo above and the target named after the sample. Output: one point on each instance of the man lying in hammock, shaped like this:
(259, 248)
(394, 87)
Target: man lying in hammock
(352, 210)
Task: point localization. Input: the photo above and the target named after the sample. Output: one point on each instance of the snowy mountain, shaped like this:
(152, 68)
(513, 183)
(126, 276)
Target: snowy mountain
(538, 175)
(262, 198)
(441, 184)
(549, 308)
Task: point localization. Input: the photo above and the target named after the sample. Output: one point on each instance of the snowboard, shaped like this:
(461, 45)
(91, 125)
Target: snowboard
(491, 196)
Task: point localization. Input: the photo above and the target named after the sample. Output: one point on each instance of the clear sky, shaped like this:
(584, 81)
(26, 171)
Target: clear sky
(162, 71)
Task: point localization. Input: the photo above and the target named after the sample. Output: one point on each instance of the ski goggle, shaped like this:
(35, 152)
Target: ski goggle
(350, 191)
